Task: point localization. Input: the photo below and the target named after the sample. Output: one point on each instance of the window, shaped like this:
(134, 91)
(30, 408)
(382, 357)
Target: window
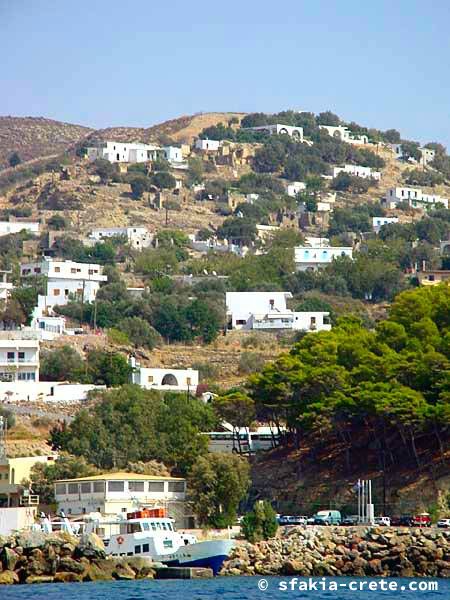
(116, 486)
(153, 526)
(86, 487)
(73, 488)
(60, 489)
(241, 321)
(167, 544)
(6, 376)
(57, 269)
(37, 270)
(145, 548)
(56, 292)
(150, 379)
(137, 549)
(73, 270)
(99, 487)
(11, 356)
(21, 356)
(26, 376)
(156, 486)
(188, 381)
(136, 486)
(176, 486)
(66, 292)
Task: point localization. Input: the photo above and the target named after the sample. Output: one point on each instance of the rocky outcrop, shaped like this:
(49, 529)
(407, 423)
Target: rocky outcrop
(35, 557)
(355, 551)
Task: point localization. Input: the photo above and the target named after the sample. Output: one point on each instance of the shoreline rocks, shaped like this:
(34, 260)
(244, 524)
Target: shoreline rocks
(346, 551)
(34, 557)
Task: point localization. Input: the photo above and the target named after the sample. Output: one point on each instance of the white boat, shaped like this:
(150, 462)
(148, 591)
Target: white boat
(157, 538)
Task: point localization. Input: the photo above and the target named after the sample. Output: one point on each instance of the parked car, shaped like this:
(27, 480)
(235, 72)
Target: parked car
(310, 521)
(443, 523)
(292, 520)
(422, 520)
(299, 520)
(405, 521)
(327, 517)
(350, 520)
(383, 521)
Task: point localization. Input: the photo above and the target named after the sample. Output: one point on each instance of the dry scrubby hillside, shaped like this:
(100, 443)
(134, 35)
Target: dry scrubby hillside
(34, 137)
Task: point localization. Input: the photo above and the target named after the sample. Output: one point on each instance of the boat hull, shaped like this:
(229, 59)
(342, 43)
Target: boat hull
(209, 554)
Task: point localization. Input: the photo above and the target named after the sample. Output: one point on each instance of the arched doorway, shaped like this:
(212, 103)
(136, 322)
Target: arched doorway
(169, 379)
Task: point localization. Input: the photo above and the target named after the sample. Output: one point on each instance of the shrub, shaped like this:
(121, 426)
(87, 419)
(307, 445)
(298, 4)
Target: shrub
(9, 416)
(250, 362)
(260, 523)
(117, 337)
(139, 332)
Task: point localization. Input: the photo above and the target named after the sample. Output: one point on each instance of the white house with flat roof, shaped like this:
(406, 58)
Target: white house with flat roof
(312, 258)
(9, 227)
(293, 188)
(344, 134)
(173, 154)
(207, 145)
(296, 133)
(19, 356)
(267, 311)
(414, 197)
(357, 171)
(119, 493)
(427, 154)
(6, 286)
(123, 152)
(66, 279)
(138, 237)
(378, 222)
(164, 380)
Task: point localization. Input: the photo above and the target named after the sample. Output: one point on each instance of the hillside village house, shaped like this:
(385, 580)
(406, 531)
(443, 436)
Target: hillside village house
(12, 472)
(296, 133)
(6, 286)
(169, 380)
(138, 237)
(65, 279)
(312, 258)
(293, 188)
(207, 145)
(9, 227)
(414, 197)
(378, 222)
(357, 171)
(344, 135)
(19, 356)
(267, 311)
(118, 493)
(428, 277)
(427, 155)
(173, 154)
(123, 152)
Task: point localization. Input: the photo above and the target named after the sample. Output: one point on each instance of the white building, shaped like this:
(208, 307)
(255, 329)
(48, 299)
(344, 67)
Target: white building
(6, 286)
(12, 472)
(138, 237)
(49, 327)
(322, 242)
(295, 133)
(9, 227)
(173, 154)
(312, 258)
(357, 171)
(266, 311)
(19, 356)
(414, 197)
(66, 279)
(214, 245)
(427, 155)
(118, 493)
(123, 152)
(378, 222)
(168, 380)
(293, 188)
(344, 135)
(207, 145)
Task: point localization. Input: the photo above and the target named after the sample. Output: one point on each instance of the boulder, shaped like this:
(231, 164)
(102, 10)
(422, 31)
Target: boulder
(90, 546)
(8, 558)
(32, 539)
(8, 578)
(99, 570)
(123, 571)
(39, 579)
(71, 565)
(67, 577)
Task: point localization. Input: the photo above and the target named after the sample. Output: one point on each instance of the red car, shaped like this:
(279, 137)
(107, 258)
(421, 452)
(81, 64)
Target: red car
(422, 520)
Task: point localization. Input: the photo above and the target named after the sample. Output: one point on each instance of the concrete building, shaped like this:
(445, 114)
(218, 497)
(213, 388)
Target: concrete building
(378, 222)
(138, 237)
(357, 171)
(296, 133)
(312, 258)
(66, 279)
(433, 277)
(6, 286)
(16, 518)
(344, 135)
(427, 155)
(123, 152)
(207, 145)
(118, 493)
(293, 188)
(164, 380)
(414, 197)
(267, 311)
(173, 154)
(19, 356)
(46, 391)
(15, 470)
(9, 227)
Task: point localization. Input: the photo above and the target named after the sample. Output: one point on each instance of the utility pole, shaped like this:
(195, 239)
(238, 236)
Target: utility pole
(3, 427)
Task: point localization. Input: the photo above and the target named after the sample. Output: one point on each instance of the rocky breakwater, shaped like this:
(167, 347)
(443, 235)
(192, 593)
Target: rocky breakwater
(35, 557)
(352, 551)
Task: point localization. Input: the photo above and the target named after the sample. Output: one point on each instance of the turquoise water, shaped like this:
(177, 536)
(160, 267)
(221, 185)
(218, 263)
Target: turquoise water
(226, 588)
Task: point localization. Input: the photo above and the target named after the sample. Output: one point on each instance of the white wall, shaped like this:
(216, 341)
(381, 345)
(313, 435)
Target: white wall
(7, 227)
(45, 391)
(313, 257)
(211, 145)
(242, 305)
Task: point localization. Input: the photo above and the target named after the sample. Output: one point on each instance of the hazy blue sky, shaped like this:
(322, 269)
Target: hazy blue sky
(102, 63)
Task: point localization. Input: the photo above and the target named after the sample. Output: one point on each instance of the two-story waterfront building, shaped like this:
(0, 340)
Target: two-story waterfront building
(118, 493)
(13, 471)
(19, 356)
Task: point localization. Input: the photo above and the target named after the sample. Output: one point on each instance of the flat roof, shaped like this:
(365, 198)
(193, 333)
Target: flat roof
(121, 475)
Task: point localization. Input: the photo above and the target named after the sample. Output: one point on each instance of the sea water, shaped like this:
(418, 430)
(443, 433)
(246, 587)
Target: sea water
(227, 588)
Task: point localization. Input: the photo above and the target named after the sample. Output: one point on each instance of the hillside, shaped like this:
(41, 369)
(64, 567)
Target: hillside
(35, 137)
